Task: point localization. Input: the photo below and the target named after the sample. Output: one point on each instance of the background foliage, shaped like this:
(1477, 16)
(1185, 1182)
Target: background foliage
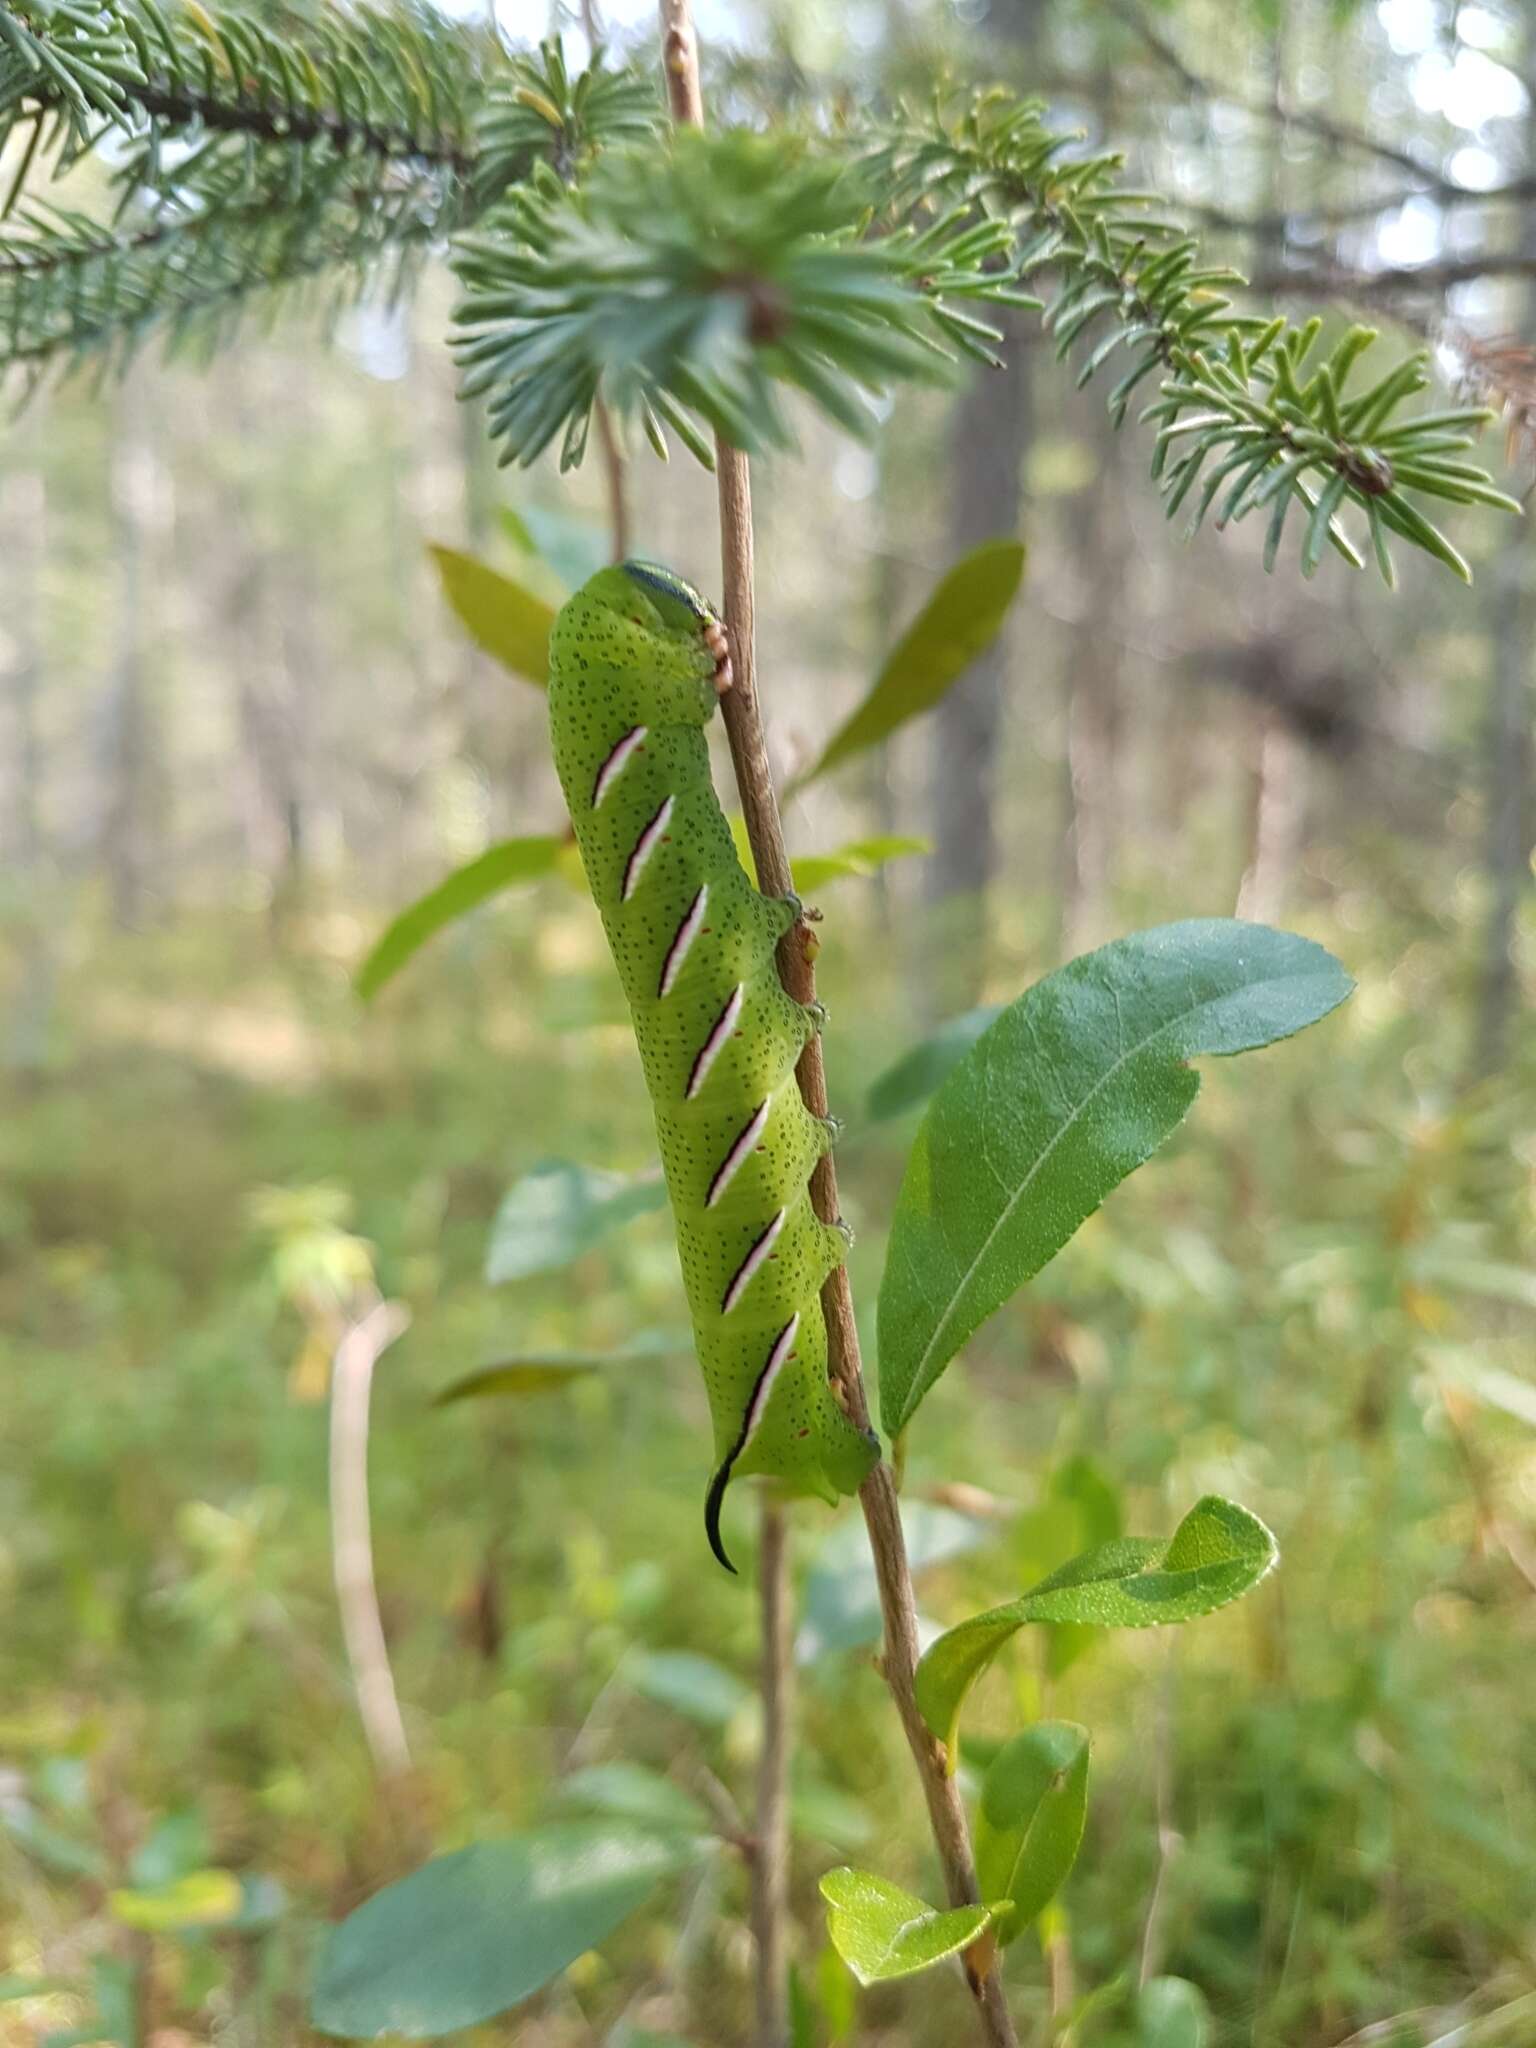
(243, 729)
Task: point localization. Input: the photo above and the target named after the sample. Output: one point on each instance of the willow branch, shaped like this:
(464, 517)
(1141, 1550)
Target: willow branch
(770, 1870)
(765, 833)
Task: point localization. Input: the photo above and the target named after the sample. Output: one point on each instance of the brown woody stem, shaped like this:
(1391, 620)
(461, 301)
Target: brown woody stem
(765, 833)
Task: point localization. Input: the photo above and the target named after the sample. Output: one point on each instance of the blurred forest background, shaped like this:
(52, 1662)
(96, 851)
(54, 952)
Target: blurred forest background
(239, 728)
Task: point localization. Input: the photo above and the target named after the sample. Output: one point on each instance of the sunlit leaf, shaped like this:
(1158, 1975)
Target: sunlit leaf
(1218, 1552)
(880, 1931)
(499, 867)
(508, 622)
(913, 1078)
(203, 1898)
(960, 620)
(856, 857)
(837, 1995)
(1073, 1086)
(1489, 1278)
(470, 1934)
(1491, 1384)
(561, 1210)
(1029, 1820)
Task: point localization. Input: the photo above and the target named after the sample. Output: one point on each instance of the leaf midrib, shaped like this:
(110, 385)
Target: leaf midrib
(1024, 1186)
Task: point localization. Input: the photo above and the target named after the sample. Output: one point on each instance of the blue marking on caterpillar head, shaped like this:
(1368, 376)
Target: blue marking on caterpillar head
(664, 583)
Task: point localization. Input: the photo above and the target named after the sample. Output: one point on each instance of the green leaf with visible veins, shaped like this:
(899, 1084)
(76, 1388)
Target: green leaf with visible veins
(505, 620)
(880, 1931)
(498, 868)
(1074, 1086)
(961, 619)
(1218, 1552)
(1029, 1820)
(469, 1934)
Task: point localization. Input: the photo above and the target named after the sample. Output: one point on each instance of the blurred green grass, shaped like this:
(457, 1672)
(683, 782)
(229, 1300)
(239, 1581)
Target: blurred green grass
(1275, 1309)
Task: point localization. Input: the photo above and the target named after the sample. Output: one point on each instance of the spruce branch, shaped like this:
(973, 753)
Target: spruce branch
(73, 288)
(692, 285)
(400, 84)
(218, 196)
(1244, 410)
(538, 114)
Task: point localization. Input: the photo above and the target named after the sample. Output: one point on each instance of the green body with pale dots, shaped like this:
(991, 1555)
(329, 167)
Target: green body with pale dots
(637, 659)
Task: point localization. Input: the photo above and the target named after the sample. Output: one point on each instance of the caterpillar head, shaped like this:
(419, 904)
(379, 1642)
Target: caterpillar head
(680, 634)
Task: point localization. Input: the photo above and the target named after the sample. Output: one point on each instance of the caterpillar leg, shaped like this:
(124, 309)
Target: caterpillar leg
(790, 909)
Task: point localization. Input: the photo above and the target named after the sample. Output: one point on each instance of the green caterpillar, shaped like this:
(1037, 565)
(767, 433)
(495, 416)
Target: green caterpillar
(637, 660)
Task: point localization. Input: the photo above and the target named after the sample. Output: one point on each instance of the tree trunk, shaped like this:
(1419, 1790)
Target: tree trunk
(127, 766)
(1510, 811)
(1509, 797)
(1101, 542)
(1279, 818)
(991, 433)
(23, 512)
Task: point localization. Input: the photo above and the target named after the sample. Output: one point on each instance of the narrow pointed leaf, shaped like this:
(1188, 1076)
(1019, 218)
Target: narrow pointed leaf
(856, 857)
(1072, 1088)
(1029, 1823)
(470, 1934)
(1218, 1552)
(509, 622)
(543, 1372)
(881, 1932)
(961, 619)
(200, 1898)
(539, 1374)
(500, 867)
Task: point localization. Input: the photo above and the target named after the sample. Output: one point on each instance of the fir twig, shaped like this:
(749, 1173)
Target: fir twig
(1244, 411)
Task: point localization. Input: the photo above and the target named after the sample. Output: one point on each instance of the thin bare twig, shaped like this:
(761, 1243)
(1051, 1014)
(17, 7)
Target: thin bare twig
(615, 476)
(770, 1889)
(1343, 280)
(362, 1344)
(765, 833)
